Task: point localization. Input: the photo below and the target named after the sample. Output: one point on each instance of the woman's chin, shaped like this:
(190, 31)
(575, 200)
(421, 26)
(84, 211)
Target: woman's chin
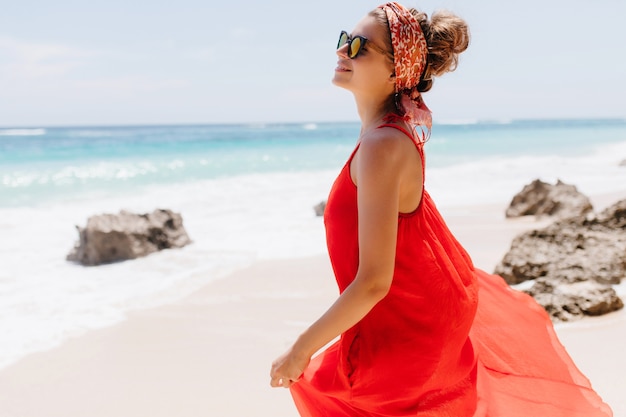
(339, 80)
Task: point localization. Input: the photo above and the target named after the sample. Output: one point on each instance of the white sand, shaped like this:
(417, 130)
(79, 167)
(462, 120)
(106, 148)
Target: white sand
(210, 354)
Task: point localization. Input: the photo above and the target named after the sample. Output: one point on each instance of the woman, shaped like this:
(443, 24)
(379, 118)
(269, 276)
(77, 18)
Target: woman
(414, 339)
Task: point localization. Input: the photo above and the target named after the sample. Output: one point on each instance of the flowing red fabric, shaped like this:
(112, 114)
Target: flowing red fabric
(448, 340)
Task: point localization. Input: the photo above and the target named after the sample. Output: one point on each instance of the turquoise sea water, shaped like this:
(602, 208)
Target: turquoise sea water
(52, 164)
(246, 192)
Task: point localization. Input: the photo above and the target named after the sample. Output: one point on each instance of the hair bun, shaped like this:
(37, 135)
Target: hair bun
(447, 36)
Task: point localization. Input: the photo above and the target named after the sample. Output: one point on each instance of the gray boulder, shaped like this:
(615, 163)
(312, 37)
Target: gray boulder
(566, 301)
(542, 199)
(574, 262)
(571, 248)
(319, 208)
(612, 218)
(116, 237)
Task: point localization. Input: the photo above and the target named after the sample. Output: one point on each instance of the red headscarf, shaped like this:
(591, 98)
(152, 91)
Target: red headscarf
(410, 53)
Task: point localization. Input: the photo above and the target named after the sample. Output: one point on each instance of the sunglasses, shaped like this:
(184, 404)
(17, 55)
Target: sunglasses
(356, 44)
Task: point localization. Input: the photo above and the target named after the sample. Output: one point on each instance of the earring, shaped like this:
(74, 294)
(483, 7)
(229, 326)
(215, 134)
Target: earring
(396, 100)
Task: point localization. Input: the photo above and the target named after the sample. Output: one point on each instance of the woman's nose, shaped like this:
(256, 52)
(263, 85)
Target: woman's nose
(342, 51)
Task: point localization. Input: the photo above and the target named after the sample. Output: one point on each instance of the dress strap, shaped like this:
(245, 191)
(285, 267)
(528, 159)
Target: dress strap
(356, 148)
(400, 128)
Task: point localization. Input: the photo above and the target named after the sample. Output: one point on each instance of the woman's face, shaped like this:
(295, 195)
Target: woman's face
(371, 72)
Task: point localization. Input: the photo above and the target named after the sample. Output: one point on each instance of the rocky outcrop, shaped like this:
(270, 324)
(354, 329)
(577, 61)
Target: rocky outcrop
(542, 199)
(319, 208)
(116, 237)
(566, 301)
(613, 218)
(574, 262)
(571, 248)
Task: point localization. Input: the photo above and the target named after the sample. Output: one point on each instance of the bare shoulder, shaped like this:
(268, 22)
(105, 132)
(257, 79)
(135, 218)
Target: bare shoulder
(386, 143)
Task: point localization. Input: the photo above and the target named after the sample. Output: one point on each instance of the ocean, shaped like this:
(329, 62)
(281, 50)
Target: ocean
(246, 192)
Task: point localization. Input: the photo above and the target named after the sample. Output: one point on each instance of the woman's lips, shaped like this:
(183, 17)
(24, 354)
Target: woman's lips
(341, 68)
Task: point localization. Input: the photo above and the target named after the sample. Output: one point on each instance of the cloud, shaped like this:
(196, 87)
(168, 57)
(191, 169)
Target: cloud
(45, 72)
(39, 59)
(127, 85)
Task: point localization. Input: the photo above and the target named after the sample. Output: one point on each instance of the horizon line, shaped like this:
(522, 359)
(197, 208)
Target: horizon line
(442, 122)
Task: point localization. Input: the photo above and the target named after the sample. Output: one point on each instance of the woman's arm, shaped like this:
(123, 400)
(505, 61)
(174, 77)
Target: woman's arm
(378, 168)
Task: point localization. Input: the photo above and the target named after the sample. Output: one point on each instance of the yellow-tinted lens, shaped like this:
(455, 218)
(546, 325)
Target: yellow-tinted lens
(343, 39)
(355, 47)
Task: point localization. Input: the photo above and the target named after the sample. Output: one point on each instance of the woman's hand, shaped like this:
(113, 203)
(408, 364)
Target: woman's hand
(288, 368)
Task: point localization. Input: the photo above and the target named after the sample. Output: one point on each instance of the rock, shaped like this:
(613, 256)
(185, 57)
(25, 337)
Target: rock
(613, 217)
(116, 237)
(570, 301)
(542, 199)
(319, 208)
(574, 262)
(572, 248)
(623, 163)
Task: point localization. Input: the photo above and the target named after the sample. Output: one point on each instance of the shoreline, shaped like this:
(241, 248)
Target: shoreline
(195, 357)
(210, 353)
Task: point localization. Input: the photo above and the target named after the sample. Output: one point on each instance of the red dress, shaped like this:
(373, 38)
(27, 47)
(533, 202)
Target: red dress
(447, 340)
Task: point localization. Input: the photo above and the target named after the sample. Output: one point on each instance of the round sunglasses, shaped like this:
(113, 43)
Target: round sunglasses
(356, 44)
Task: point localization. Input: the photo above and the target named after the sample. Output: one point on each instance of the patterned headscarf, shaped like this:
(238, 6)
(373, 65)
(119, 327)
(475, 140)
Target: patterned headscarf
(410, 53)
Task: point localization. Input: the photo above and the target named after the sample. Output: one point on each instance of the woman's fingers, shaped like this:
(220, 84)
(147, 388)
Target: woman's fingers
(276, 382)
(285, 371)
(281, 382)
(277, 379)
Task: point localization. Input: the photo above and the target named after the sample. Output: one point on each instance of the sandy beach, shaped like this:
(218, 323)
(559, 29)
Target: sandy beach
(210, 353)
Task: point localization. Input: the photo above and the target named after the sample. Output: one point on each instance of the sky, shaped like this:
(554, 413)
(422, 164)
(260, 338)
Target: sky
(120, 62)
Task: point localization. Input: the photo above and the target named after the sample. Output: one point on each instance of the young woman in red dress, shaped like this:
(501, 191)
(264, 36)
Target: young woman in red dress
(422, 332)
